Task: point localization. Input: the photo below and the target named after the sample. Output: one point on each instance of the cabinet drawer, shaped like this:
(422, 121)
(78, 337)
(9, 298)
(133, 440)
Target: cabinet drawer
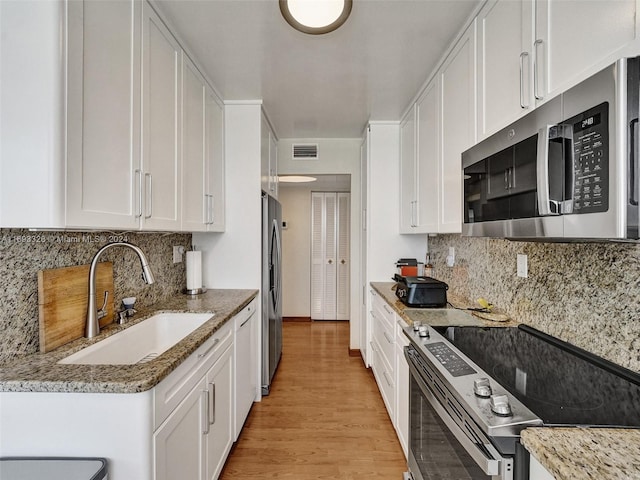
(384, 378)
(384, 336)
(173, 389)
(386, 312)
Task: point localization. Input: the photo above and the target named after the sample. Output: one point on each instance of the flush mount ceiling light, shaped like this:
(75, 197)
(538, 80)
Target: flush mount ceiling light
(296, 179)
(315, 16)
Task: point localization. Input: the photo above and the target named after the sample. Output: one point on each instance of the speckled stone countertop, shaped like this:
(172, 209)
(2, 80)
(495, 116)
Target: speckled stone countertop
(586, 453)
(40, 372)
(457, 316)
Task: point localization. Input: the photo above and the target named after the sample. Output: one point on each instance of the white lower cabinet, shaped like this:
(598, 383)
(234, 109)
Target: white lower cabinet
(389, 366)
(183, 428)
(537, 471)
(194, 440)
(402, 388)
(246, 386)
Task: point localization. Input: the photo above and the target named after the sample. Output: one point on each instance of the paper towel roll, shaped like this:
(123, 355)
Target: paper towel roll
(194, 270)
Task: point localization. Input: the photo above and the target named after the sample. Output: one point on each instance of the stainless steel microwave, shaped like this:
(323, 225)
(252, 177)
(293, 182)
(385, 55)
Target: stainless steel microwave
(566, 171)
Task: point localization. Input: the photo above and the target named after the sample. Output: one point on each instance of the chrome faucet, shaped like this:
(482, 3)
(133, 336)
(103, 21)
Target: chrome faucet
(92, 327)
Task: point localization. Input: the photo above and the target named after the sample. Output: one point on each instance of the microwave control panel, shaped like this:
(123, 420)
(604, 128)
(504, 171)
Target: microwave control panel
(591, 160)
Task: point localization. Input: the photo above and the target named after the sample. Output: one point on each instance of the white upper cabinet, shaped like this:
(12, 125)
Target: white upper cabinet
(103, 114)
(458, 127)
(505, 88)
(408, 194)
(113, 159)
(428, 159)
(268, 158)
(530, 51)
(194, 200)
(161, 118)
(571, 36)
(214, 162)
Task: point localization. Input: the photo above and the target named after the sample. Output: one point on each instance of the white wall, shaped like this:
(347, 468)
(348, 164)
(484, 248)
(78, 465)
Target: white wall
(385, 244)
(296, 248)
(336, 156)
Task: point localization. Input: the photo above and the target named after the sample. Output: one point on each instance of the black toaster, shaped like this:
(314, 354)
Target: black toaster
(424, 292)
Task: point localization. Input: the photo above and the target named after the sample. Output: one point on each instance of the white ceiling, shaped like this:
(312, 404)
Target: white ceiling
(324, 86)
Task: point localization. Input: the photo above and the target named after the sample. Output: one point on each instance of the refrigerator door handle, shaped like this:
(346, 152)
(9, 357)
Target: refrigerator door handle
(276, 263)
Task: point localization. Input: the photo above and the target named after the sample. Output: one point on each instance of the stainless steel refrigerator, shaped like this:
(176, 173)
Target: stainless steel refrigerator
(271, 289)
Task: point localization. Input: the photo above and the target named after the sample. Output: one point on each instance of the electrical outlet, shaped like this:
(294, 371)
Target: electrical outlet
(178, 251)
(451, 258)
(522, 266)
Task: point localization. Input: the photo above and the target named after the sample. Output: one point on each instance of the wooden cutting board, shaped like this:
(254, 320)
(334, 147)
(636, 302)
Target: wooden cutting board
(62, 302)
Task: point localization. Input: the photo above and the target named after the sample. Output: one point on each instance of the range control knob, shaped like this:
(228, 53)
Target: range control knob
(423, 331)
(482, 387)
(500, 405)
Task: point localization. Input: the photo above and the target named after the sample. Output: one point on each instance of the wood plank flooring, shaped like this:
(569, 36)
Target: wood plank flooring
(324, 418)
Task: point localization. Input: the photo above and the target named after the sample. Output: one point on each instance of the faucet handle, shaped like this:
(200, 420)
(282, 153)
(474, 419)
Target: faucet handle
(103, 310)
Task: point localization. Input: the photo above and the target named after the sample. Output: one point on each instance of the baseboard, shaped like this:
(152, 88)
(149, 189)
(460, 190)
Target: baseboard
(296, 319)
(354, 352)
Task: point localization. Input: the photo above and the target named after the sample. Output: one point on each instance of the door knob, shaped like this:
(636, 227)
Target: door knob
(343, 261)
(329, 261)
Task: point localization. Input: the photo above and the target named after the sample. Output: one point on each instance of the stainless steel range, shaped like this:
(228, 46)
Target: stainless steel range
(473, 389)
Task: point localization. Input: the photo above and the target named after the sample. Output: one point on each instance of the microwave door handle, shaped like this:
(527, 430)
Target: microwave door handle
(542, 171)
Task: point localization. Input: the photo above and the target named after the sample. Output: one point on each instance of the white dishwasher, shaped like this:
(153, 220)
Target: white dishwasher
(53, 468)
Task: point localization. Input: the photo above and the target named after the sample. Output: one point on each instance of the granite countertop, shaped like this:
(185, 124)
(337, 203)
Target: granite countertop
(586, 453)
(40, 372)
(457, 315)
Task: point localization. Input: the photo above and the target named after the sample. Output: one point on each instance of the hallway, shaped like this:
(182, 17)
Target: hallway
(324, 418)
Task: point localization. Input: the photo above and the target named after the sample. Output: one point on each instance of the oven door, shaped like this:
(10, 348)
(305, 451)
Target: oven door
(438, 447)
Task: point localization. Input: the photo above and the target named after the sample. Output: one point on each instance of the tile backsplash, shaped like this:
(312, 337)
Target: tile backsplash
(23, 253)
(587, 294)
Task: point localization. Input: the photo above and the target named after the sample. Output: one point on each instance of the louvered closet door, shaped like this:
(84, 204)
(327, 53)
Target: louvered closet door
(330, 256)
(343, 265)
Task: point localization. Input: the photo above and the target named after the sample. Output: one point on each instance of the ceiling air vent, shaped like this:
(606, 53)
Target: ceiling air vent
(305, 151)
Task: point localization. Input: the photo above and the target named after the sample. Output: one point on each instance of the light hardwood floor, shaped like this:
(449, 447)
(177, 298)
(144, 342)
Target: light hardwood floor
(324, 418)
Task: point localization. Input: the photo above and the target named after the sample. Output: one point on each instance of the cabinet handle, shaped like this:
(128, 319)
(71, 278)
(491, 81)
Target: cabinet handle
(215, 342)
(138, 173)
(387, 337)
(373, 293)
(373, 347)
(211, 200)
(212, 404)
(506, 179)
(387, 309)
(511, 182)
(204, 404)
(384, 374)
(205, 209)
(536, 62)
(245, 322)
(149, 189)
(523, 97)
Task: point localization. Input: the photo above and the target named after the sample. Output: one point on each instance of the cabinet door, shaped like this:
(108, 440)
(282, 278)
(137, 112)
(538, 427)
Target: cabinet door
(103, 114)
(215, 162)
(402, 391)
(428, 171)
(246, 368)
(264, 155)
(161, 60)
(179, 441)
(408, 173)
(458, 121)
(273, 165)
(220, 436)
(505, 40)
(573, 36)
(195, 203)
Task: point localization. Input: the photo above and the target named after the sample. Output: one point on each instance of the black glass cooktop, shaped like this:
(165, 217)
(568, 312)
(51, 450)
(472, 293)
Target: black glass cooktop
(560, 383)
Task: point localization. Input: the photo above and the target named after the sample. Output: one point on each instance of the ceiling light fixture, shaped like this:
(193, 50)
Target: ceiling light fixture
(296, 179)
(315, 16)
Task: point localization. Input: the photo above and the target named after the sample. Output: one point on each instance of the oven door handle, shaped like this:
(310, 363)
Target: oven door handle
(490, 466)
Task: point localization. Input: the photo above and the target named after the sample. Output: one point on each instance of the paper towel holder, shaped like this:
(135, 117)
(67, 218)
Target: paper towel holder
(195, 291)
